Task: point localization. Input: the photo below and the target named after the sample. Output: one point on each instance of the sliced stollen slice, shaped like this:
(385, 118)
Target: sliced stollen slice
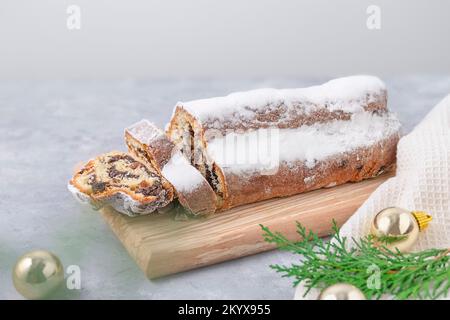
(122, 181)
(193, 191)
(149, 143)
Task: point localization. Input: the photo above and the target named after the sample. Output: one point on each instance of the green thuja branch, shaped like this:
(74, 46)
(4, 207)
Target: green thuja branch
(419, 275)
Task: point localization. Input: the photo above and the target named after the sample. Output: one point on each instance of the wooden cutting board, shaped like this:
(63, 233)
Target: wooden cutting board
(161, 246)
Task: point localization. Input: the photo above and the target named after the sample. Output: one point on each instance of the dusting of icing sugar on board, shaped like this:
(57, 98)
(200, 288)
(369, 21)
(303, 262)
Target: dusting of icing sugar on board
(351, 90)
(162, 246)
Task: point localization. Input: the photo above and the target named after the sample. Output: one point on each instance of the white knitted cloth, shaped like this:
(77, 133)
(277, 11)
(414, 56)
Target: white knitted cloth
(421, 183)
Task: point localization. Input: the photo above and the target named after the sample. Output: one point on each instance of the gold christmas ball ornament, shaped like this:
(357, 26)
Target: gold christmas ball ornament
(397, 228)
(37, 274)
(342, 291)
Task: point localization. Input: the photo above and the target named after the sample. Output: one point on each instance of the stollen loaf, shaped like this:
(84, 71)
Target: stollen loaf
(266, 143)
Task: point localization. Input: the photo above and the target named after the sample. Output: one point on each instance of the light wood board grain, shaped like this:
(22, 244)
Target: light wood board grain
(161, 246)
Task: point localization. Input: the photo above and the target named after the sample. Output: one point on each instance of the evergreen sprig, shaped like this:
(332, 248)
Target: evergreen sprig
(418, 275)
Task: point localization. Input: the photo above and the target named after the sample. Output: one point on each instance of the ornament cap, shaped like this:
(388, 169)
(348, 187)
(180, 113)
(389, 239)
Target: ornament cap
(423, 219)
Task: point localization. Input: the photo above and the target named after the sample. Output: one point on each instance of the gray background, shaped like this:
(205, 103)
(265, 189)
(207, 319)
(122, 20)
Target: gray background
(202, 38)
(65, 96)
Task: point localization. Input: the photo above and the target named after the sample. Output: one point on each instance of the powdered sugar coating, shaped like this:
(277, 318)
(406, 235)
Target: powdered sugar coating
(84, 198)
(145, 131)
(236, 152)
(125, 204)
(182, 175)
(347, 95)
(120, 201)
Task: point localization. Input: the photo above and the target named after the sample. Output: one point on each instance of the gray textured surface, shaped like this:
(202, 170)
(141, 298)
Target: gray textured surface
(46, 128)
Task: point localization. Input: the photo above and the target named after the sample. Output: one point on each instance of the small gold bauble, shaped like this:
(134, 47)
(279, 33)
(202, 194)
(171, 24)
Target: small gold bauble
(342, 291)
(397, 228)
(37, 274)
